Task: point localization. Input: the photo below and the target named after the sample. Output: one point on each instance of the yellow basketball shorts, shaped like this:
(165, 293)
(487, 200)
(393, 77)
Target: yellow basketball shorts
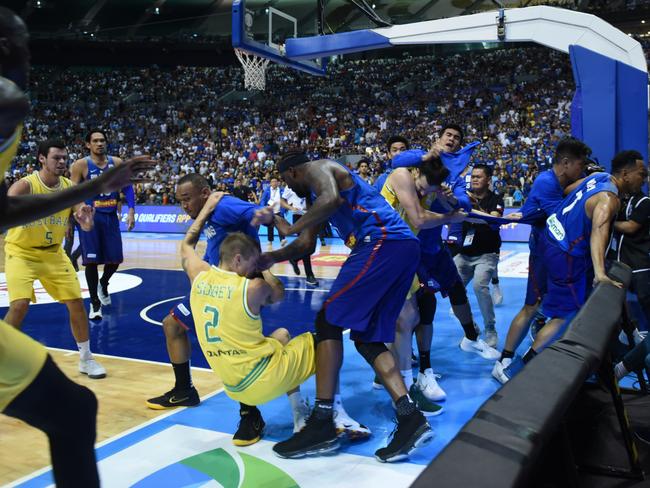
(53, 269)
(277, 374)
(21, 359)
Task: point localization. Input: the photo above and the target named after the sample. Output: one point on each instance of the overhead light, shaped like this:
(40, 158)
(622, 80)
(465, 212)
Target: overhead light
(156, 11)
(643, 21)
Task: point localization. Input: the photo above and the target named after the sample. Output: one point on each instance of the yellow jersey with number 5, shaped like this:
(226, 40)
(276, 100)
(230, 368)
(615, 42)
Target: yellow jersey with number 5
(44, 234)
(230, 335)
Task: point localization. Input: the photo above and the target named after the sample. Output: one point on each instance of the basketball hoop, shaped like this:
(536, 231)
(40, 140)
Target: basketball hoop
(254, 69)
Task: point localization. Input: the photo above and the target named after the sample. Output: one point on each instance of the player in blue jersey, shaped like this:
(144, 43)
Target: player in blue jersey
(230, 215)
(103, 244)
(366, 296)
(574, 245)
(437, 271)
(545, 195)
(395, 145)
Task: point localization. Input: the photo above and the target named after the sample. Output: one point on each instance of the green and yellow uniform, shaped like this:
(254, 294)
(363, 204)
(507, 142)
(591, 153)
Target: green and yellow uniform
(254, 369)
(34, 252)
(21, 358)
(425, 202)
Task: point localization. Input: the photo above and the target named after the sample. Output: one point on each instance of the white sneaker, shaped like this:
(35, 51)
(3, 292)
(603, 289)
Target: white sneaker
(346, 425)
(497, 294)
(92, 368)
(95, 313)
(491, 337)
(479, 347)
(300, 416)
(105, 298)
(428, 384)
(497, 371)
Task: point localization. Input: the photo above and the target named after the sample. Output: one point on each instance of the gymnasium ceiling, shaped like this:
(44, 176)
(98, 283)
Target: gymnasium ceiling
(210, 19)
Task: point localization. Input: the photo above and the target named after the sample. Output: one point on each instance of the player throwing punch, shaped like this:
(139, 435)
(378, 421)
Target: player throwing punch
(366, 296)
(103, 244)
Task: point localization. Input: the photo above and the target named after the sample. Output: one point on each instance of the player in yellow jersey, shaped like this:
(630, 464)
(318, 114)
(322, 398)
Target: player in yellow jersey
(410, 191)
(34, 252)
(32, 388)
(226, 306)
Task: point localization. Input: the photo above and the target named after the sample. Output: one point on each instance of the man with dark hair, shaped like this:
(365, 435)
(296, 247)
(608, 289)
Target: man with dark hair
(272, 197)
(366, 296)
(394, 146)
(33, 252)
(103, 244)
(479, 247)
(547, 192)
(631, 242)
(27, 373)
(575, 243)
(410, 191)
(230, 215)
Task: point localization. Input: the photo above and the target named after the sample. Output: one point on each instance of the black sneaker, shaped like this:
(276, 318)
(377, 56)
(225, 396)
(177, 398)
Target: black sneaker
(318, 436)
(250, 429)
(175, 398)
(312, 281)
(294, 264)
(412, 431)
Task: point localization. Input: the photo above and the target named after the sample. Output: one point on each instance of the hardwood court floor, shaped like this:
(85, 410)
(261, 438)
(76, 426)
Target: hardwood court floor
(121, 397)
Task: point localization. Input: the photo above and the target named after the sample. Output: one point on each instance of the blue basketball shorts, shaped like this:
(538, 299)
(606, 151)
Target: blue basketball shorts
(103, 244)
(369, 291)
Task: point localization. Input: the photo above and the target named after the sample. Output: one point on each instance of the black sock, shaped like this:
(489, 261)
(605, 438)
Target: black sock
(92, 279)
(530, 354)
(505, 354)
(247, 409)
(405, 406)
(470, 331)
(425, 360)
(109, 270)
(324, 409)
(183, 376)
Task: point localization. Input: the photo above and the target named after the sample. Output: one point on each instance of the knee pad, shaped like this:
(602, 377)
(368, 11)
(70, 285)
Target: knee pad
(326, 331)
(458, 294)
(370, 350)
(427, 303)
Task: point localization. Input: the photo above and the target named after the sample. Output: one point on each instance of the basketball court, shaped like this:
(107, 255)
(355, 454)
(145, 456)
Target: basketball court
(192, 446)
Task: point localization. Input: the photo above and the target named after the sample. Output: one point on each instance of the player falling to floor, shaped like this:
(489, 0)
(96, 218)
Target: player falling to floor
(27, 372)
(229, 215)
(366, 296)
(226, 305)
(34, 251)
(103, 244)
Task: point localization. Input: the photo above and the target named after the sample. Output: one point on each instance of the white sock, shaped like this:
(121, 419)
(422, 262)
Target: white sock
(620, 370)
(295, 399)
(407, 374)
(84, 350)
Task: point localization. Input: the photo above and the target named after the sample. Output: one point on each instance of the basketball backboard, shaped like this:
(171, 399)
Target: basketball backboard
(261, 27)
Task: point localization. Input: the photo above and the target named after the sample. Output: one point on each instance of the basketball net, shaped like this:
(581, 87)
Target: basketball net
(254, 69)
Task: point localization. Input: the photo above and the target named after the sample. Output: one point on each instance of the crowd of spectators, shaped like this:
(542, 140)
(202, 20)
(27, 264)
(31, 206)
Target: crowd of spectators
(515, 101)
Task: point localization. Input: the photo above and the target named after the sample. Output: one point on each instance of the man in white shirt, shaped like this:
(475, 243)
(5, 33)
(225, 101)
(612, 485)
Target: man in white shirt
(274, 200)
(298, 207)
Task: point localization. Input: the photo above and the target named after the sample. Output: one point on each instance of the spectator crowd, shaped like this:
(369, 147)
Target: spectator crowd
(516, 101)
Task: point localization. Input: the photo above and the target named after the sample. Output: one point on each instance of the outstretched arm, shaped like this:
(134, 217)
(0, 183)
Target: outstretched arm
(27, 208)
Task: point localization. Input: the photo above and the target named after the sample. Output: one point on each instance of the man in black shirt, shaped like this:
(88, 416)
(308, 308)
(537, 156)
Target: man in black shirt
(240, 190)
(479, 247)
(631, 242)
